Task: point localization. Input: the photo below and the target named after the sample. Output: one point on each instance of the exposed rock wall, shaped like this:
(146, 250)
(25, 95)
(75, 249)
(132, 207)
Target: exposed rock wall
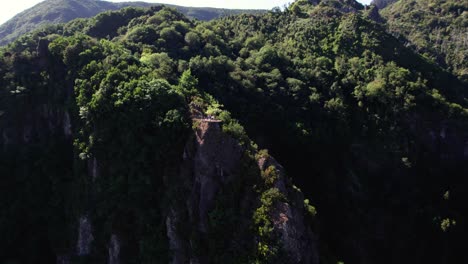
(216, 161)
(85, 237)
(288, 218)
(114, 250)
(212, 161)
(35, 125)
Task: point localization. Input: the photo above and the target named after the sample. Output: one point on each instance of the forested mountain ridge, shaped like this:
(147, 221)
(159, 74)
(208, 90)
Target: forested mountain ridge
(61, 11)
(437, 29)
(135, 137)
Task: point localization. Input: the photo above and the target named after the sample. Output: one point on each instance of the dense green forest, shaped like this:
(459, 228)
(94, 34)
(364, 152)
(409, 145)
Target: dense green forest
(111, 149)
(437, 29)
(61, 11)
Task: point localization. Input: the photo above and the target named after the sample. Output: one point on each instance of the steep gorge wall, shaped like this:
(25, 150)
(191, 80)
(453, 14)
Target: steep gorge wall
(218, 204)
(37, 162)
(212, 200)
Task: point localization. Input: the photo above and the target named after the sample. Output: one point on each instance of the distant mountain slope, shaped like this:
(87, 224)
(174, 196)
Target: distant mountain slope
(383, 3)
(437, 29)
(60, 11)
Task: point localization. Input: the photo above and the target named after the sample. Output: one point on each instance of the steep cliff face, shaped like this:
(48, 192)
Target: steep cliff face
(37, 182)
(39, 114)
(289, 218)
(37, 159)
(118, 187)
(216, 203)
(216, 162)
(101, 162)
(217, 167)
(211, 213)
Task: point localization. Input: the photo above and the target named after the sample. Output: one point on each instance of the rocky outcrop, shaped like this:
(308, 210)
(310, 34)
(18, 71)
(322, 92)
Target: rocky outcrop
(67, 127)
(43, 53)
(114, 250)
(36, 125)
(216, 161)
(288, 218)
(212, 162)
(447, 140)
(85, 237)
(93, 168)
(176, 244)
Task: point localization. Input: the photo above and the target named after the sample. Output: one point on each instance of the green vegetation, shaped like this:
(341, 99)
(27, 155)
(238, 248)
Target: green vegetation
(370, 130)
(62, 11)
(437, 29)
